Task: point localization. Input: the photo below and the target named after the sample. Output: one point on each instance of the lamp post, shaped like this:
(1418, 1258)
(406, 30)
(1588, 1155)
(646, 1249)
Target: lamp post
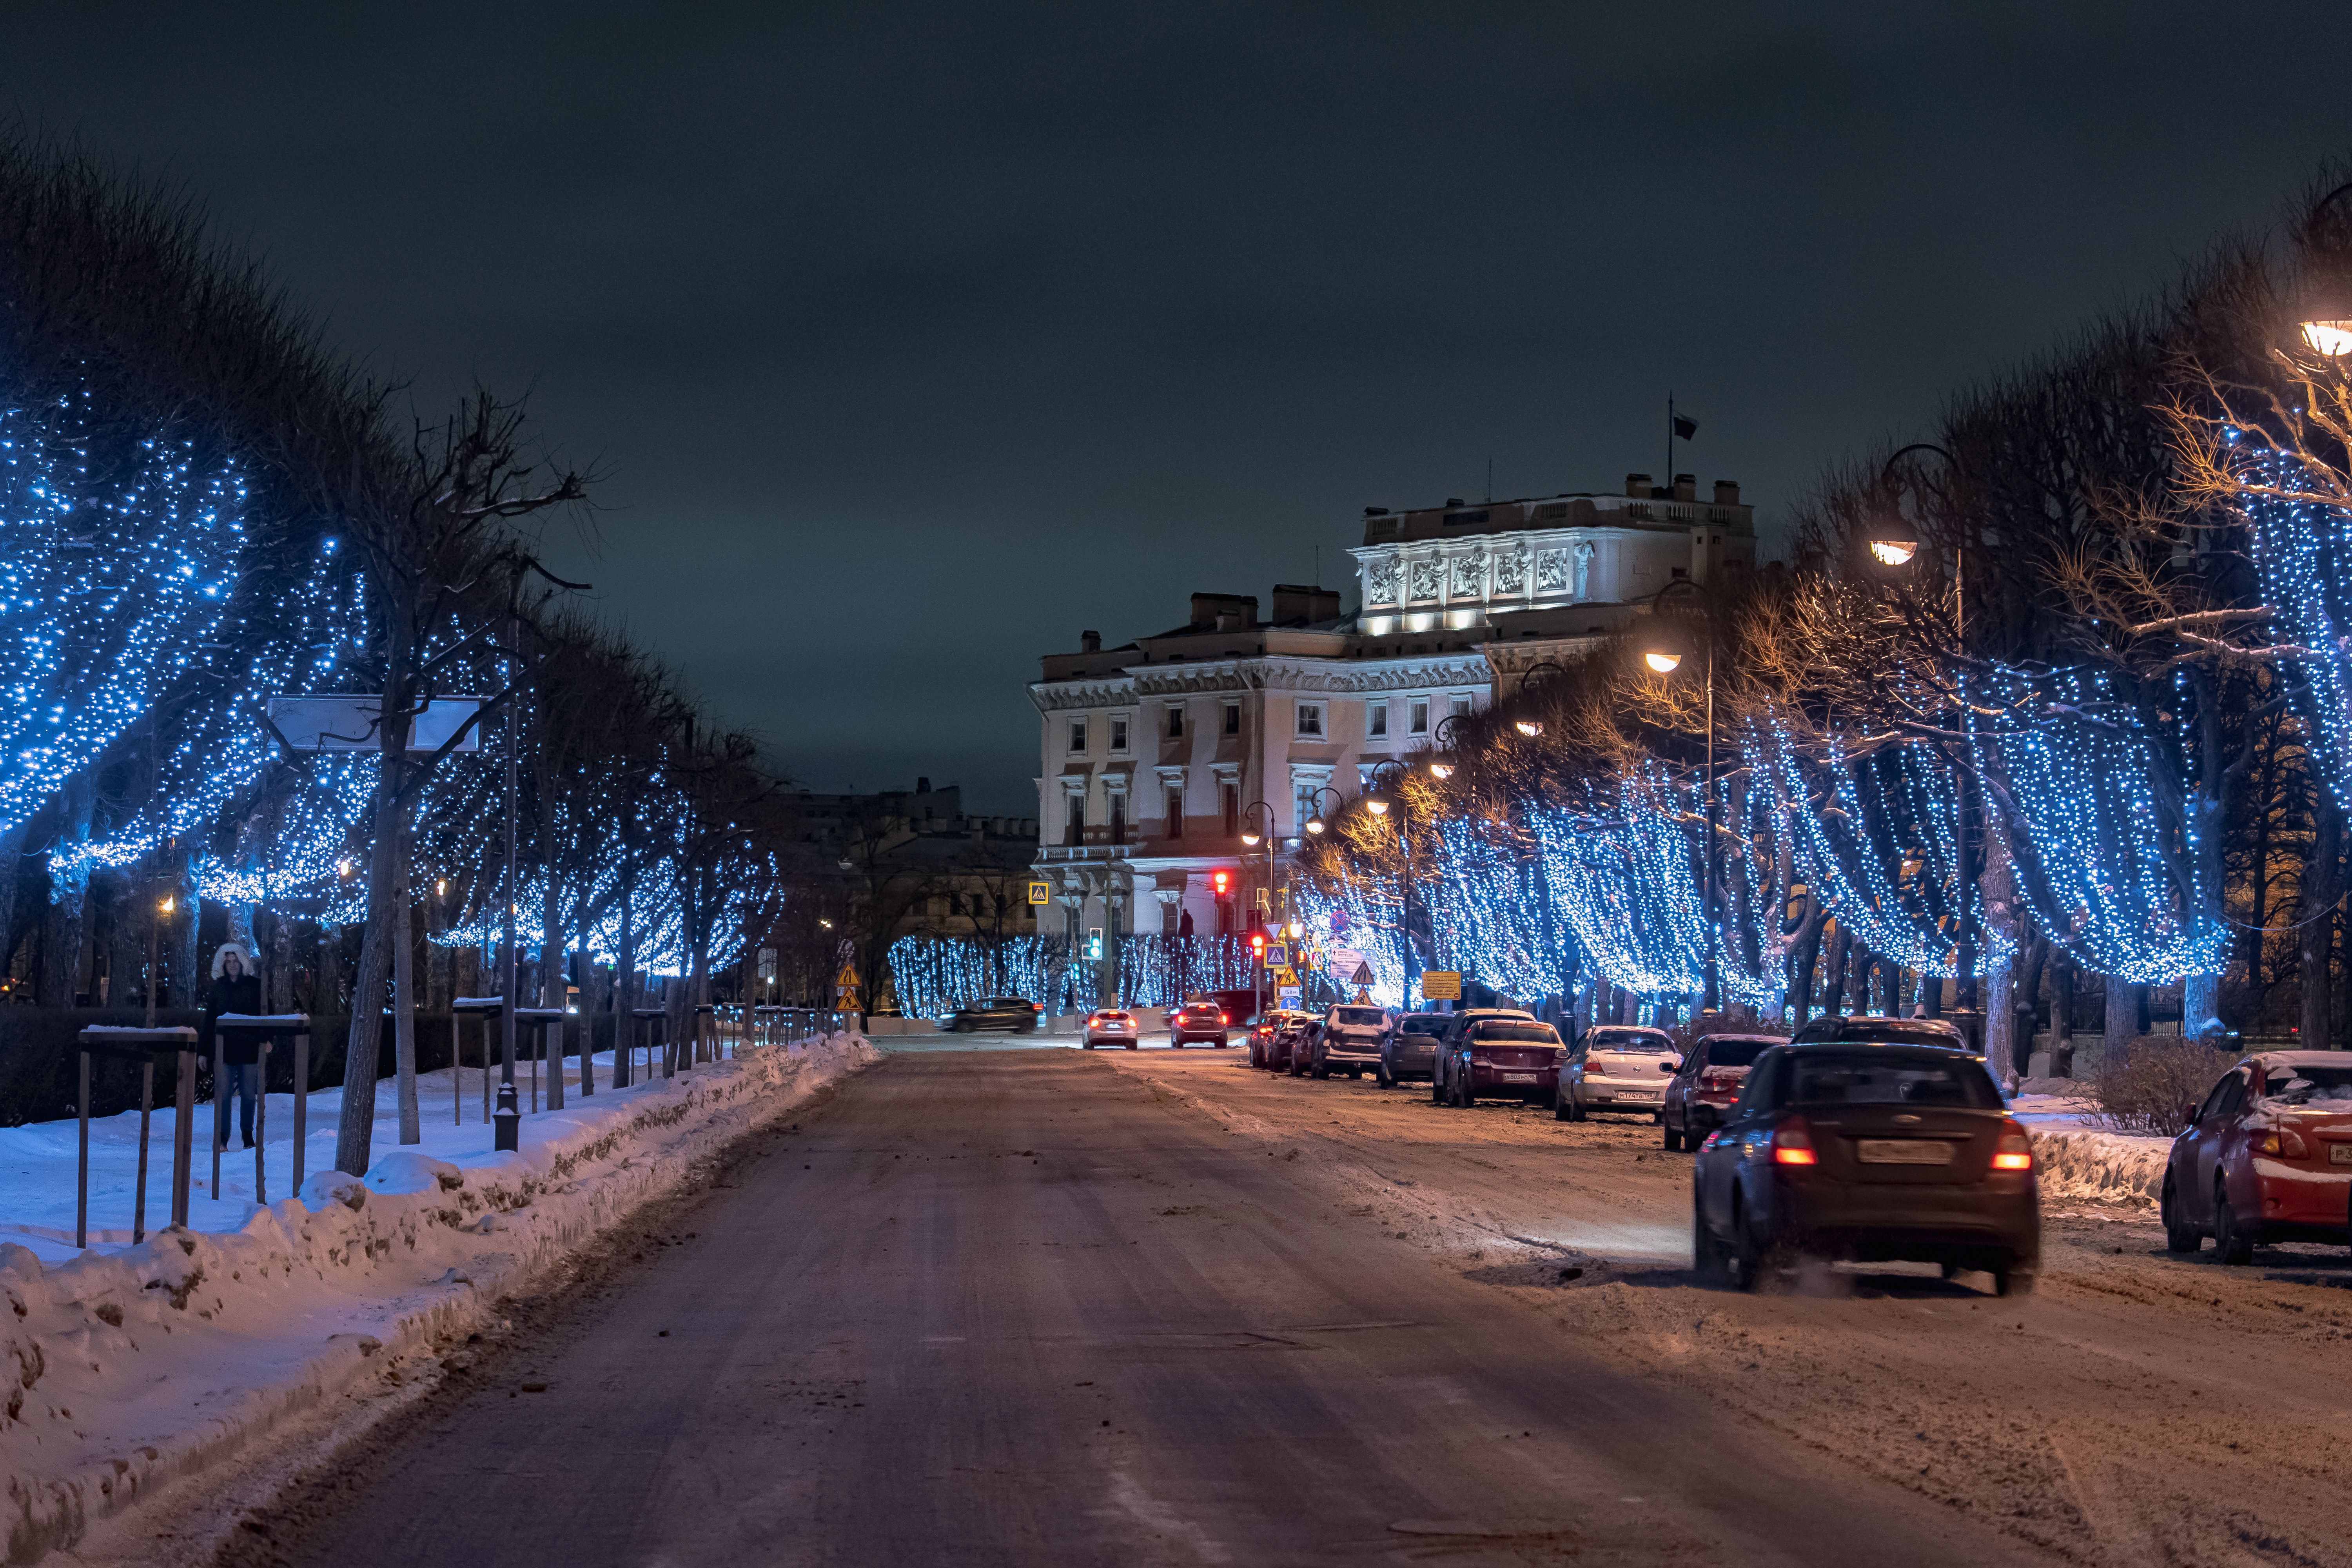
(1251, 837)
(1381, 800)
(1664, 655)
(1894, 544)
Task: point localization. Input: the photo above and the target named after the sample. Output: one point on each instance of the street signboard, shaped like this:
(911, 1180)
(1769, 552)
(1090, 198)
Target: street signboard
(1363, 975)
(1442, 985)
(1277, 956)
(1286, 997)
(1341, 961)
(767, 966)
(1040, 892)
(1283, 975)
(844, 989)
(348, 724)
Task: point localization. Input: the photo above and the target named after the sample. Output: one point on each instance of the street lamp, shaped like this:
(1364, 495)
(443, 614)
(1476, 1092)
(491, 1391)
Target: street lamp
(1252, 837)
(1379, 799)
(1530, 728)
(1664, 655)
(1316, 823)
(2325, 306)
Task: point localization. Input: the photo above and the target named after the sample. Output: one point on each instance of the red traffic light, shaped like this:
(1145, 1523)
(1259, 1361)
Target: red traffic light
(1222, 879)
(1257, 942)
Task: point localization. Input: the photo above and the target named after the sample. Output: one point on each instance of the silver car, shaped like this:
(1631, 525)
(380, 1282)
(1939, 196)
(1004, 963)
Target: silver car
(1112, 1026)
(1351, 1040)
(1617, 1067)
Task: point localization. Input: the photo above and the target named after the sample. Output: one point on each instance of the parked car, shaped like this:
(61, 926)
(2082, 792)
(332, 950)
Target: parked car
(2267, 1157)
(1350, 1038)
(1616, 1067)
(1262, 1029)
(1869, 1152)
(1112, 1026)
(1410, 1049)
(1707, 1086)
(1864, 1027)
(1295, 1043)
(1502, 1055)
(993, 1013)
(1199, 1020)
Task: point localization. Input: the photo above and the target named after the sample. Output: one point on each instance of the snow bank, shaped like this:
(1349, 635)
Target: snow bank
(2079, 1158)
(125, 1368)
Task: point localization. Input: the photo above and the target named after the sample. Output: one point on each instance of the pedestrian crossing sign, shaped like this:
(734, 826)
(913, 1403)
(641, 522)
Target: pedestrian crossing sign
(1040, 892)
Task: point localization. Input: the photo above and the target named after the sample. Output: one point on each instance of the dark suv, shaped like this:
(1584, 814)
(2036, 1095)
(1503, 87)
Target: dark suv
(1352, 1039)
(1410, 1049)
(993, 1013)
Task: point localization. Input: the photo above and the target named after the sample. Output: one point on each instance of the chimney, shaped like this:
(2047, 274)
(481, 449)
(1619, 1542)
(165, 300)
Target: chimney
(1293, 603)
(922, 785)
(1637, 486)
(1210, 610)
(1687, 487)
(1727, 492)
(1090, 642)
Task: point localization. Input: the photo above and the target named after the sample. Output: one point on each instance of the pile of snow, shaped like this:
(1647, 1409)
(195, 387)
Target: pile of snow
(2082, 1158)
(124, 1368)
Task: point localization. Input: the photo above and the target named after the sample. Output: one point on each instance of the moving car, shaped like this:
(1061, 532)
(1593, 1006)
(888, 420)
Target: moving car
(1869, 1152)
(1112, 1026)
(1866, 1026)
(1410, 1048)
(1351, 1038)
(1500, 1054)
(993, 1013)
(1708, 1085)
(2268, 1157)
(1199, 1020)
(1262, 1030)
(1616, 1067)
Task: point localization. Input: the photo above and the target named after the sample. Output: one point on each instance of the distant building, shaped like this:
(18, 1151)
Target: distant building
(1153, 752)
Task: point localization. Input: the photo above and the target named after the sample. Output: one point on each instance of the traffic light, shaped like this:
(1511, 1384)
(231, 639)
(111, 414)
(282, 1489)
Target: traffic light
(1257, 943)
(1223, 880)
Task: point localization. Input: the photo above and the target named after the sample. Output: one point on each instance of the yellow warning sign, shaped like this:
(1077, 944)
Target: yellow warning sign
(1285, 975)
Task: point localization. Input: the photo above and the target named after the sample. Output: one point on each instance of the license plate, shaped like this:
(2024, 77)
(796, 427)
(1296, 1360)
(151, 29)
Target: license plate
(2339, 1153)
(1903, 1152)
(1519, 1078)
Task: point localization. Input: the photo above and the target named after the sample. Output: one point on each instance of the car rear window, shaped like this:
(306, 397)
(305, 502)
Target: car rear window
(1734, 1053)
(1359, 1016)
(2309, 1085)
(1539, 1034)
(1642, 1040)
(1896, 1032)
(1424, 1023)
(1886, 1078)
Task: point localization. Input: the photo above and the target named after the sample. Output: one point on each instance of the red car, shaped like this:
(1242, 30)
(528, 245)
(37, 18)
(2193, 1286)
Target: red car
(1513, 1059)
(1700, 1095)
(1262, 1031)
(1198, 1021)
(2267, 1158)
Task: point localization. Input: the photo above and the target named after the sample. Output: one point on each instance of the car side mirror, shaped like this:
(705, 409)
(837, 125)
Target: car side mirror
(1670, 1069)
(2189, 1113)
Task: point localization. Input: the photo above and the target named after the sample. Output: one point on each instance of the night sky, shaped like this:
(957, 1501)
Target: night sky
(912, 340)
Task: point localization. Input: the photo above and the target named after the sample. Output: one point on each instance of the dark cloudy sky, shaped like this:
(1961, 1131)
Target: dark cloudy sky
(915, 339)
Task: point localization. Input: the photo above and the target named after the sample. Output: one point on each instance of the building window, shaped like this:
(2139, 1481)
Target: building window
(1074, 810)
(1077, 736)
(1418, 713)
(1175, 720)
(1118, 735)
(1175, 813)
(1310, 721)
(1305, 805)
(1233, 802)
(1460, 704)
(1233, 718)
(1118, 816)
(1375, 721)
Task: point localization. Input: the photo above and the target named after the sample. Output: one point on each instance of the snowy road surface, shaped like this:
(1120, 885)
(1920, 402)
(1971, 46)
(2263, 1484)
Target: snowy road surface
(1039, 1308)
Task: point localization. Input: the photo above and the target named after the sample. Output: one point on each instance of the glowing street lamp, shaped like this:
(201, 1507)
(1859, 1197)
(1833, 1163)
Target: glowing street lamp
(1529, 727)
(1894, 552)
(1441, 770)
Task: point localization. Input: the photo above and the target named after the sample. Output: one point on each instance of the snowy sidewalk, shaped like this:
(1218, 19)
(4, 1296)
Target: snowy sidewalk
(129, 1367)
(2080, 1158)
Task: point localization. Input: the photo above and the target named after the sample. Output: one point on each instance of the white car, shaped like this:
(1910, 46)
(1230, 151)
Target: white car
(1111, 1027)
(1617, 1067)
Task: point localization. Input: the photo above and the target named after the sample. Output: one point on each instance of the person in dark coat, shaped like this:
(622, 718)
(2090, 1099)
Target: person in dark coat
(236, 989)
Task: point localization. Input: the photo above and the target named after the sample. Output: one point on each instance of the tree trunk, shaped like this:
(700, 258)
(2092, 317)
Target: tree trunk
(355, 1133)
(68, 920)
(188, 968)
(2062, 1015)
(1833, 978)
(1802, 961)
(403, 1012)
(2122, 1024)
(2314, 910)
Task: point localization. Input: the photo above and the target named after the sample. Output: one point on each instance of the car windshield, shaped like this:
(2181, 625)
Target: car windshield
(1539, 1034)
(1372, 1016)
(1647, 1042)
(1734, 1053)
(1888, 1078)
(2310, 1085)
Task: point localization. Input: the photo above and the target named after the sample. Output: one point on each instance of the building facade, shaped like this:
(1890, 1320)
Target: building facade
(1156, 755)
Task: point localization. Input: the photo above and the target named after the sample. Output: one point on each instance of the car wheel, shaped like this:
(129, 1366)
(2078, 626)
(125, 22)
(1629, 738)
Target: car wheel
(1382, 1077)
(1674, 1140)
(2179, 1235)
(1135, 1044)
(2009, 1282)
(1706, 1252)
(1090, 1045)
(2235, 1245)
(1437, 1085)
(1465, 1095)
(1321, 1069)
(1559, 1103)
(1575, 1111)
(1750, 1258)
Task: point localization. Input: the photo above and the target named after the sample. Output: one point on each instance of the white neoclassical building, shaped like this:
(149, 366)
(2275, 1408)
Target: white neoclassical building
(1156, 753)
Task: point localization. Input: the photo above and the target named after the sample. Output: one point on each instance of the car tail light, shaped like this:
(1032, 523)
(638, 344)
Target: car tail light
(2283, 1142)
(1792, 1144)
(1223, 1019)
(1720, 1082)
(2015, 1151)
(1712, 1139)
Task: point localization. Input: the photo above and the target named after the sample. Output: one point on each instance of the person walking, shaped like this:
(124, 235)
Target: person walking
(236, 989)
